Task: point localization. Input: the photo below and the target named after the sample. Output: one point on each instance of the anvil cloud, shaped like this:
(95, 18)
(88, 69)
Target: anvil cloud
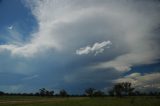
(75, 40)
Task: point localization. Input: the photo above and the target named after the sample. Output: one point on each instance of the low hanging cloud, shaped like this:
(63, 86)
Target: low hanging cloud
(96, 48)
(142, 82)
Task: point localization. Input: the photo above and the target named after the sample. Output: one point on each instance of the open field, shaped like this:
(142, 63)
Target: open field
(78, 101)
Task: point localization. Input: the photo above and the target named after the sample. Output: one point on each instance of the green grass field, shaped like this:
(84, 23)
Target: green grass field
(78, 101)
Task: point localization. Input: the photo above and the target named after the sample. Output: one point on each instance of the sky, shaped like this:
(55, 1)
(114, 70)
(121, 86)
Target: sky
(76, 44)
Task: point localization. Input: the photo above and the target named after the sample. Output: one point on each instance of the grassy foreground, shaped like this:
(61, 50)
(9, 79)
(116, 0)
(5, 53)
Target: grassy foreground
(78, 101)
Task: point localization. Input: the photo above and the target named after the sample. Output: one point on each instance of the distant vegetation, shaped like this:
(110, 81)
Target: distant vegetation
(121, 94)
(118, 90)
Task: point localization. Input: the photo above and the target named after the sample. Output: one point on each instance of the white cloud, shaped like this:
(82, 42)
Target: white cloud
(96, 48)
(124, 21)
(65, 25)
(37, 45)
(125, 62)
(142, 82)
(10, 27)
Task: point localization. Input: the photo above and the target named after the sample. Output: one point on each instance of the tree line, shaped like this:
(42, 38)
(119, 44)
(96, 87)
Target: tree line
(119, 90)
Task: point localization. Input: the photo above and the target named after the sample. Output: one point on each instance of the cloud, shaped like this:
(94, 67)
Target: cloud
(10, 27)
(124, 63)
(28, 49)
(126, 24)
(67, 25)
(12, 88)
(142, 82)
(31, 77)
(96, 48)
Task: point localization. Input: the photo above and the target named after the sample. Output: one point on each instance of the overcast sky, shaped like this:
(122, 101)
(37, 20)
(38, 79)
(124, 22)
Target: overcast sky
(76, 44)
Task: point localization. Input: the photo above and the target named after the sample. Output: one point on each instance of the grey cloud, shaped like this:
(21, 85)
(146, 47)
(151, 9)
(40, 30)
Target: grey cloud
(148, 81)
(65, 26)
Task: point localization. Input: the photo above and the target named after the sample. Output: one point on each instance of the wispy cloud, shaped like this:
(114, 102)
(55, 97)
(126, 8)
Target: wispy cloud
(96, 48)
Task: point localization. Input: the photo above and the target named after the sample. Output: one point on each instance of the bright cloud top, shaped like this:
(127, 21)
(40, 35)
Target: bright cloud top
(61, 25)
(96, 48)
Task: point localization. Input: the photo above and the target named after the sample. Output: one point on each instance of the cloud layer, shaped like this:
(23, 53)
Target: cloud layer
(142, 82)
(69, 26)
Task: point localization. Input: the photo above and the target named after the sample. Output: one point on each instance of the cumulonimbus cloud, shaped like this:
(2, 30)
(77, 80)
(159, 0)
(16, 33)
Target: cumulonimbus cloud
(67, 25)
(129, 28)
(96, 48)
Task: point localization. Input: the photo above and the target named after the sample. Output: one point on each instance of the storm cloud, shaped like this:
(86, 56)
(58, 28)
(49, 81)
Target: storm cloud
(122, 35)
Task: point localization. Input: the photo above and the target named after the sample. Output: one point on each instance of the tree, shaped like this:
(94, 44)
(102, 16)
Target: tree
(128, 90)
(2, 93)
(123, 88)
(118, 89)
(98, 93)
(111, 92)
(63, 93)
(44, 92)
(89, 91)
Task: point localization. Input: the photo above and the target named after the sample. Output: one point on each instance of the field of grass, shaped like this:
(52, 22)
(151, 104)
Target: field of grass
(78, 101)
